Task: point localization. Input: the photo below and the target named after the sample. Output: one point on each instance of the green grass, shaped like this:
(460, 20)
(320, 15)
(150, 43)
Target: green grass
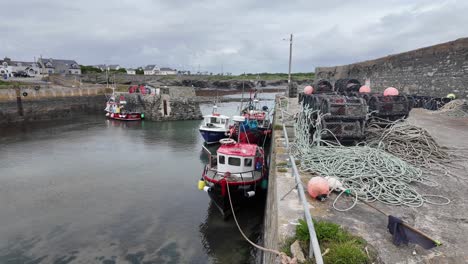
(263, 76)
(282, 169)
(278, 127)
(343, 246)
(281, 164)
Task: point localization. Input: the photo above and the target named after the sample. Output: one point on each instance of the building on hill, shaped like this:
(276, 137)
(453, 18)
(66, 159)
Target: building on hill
(114, 67)
(167, 71)
(131, 71)
(10, 67)
(151, 69)
(102, 67)
(58, 66)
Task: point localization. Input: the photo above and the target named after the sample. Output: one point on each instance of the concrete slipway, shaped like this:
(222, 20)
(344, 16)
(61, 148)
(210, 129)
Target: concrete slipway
(448, 223)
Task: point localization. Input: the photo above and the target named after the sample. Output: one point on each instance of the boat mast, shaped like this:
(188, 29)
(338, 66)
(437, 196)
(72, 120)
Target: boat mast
(242, 98)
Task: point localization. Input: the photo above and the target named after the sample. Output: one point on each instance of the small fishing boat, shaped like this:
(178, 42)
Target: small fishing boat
(214, 127)
(116, 110)
(253, 125)
(239, 167)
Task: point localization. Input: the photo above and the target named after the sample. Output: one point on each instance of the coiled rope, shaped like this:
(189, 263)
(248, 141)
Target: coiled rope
(371, 174)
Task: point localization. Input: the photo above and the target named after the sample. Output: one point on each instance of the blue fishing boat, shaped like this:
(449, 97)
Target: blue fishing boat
(214, 127)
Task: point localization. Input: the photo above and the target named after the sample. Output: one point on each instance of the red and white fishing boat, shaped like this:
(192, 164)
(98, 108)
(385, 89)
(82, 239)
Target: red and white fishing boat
(253, 125)
(242, 168)
(116, 110)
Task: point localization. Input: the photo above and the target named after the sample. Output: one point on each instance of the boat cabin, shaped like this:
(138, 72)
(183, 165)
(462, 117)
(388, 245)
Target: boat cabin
(216, 121)
(243, 161)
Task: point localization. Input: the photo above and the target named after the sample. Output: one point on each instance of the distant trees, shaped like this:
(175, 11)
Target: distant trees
(89, 69)
(120, 70)
(139, 71)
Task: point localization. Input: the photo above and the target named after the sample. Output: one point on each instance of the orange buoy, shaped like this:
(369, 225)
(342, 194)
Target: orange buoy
(318, 187)
(308, 89)
(364, 89)
(390, 91)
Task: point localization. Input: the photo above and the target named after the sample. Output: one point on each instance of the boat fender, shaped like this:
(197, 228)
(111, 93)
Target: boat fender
(227, 141)
(142, 116)
(201, 184)
(264, 184)
(258, 165)
(250, 194)
(206, 189)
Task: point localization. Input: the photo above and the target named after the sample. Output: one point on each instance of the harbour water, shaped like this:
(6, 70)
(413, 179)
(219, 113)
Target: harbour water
(92, 190)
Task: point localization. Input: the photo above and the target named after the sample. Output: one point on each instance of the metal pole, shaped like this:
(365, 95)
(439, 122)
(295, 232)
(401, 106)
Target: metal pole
(242, 98)
(314, 248)
(290, 58)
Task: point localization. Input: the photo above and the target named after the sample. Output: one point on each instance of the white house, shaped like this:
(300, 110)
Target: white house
(114, 67)
(167, 71)
(131, 71)
(10, 67)
(151, 70)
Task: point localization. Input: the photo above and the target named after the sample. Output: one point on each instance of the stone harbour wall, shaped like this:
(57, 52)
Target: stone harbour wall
(174, 103)
(435, 71)
(52, 108)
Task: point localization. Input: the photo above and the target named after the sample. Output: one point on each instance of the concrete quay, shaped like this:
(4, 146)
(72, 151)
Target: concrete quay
(448, 223)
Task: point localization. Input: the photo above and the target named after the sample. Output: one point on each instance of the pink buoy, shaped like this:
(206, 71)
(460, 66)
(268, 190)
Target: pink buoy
(317, 186)
(308, 89)
(390, 91)
(364, 89)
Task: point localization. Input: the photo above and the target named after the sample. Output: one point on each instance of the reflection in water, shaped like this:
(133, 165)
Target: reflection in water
(222, 240)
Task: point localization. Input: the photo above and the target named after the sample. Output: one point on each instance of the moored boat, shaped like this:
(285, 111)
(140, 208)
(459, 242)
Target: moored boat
(116, 110)
(242, 168)
(214, 127)
(253, 125)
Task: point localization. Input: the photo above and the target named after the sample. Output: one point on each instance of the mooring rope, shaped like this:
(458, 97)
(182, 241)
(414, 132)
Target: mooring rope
(285, 259)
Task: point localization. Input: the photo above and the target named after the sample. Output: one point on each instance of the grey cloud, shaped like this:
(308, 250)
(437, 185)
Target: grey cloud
(239, 36)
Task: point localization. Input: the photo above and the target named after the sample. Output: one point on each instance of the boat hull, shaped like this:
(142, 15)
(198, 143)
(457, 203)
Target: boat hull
(212, 137)
(125, 117)
(239, 196)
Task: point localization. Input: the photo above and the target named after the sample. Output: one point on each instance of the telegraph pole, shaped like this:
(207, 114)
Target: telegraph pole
(290, 58)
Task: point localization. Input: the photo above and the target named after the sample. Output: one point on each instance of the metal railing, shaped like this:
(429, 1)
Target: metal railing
(314, 248)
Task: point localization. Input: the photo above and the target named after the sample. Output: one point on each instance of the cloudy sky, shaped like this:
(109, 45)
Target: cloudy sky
(236, 36)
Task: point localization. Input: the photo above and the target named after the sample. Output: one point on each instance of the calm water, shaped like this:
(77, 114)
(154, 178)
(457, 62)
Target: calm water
(99, 191)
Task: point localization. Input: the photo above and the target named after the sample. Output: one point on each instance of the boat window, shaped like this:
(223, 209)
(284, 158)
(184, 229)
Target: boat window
(214, 120)
(221, 159)
(234, 161)
(248, 162)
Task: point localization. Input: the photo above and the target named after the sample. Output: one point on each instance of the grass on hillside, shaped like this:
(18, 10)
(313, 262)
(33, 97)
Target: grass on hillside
(247, 77)
(264, 76)
(343, 246)
(12, 84)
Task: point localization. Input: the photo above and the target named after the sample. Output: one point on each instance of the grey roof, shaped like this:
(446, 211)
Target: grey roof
(150, 67)
(57, 62)
(17, 63)
(167, 69)
(113, 66)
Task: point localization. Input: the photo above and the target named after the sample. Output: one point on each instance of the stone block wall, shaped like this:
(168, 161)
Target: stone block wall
(52, 108)
(174, 103)
(435, 71)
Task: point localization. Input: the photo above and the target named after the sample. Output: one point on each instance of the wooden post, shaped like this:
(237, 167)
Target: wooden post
(19, 103)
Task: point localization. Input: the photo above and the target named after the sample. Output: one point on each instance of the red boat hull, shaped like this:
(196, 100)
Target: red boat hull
(125, 117)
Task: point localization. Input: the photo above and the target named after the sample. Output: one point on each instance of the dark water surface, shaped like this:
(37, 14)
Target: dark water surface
(99, 191)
